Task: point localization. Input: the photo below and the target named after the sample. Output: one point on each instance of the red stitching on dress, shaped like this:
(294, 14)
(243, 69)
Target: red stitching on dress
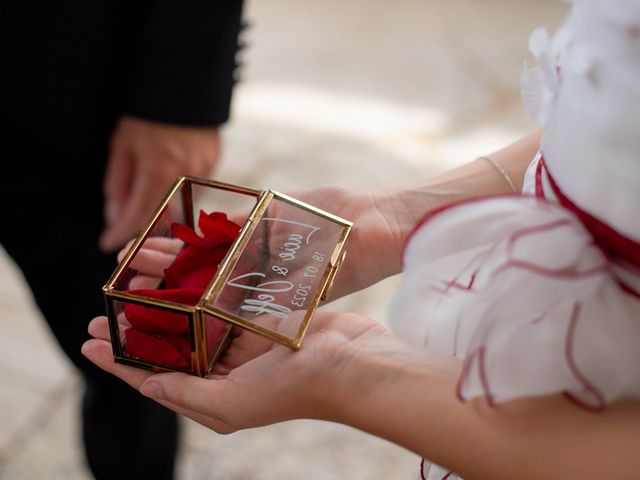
(422, 470)
(539, 186)
(518, 234)
(609, 241)
(464, 374)
(588, 386)
(431, 214)
(549, 272)
(483, 377)
(538, 319)
(481, 257)
(453, 284)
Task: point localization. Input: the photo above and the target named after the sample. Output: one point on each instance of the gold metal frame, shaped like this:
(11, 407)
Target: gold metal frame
(200, 358)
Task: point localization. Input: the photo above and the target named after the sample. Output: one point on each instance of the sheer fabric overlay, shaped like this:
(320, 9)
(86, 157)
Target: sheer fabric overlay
(539, 293)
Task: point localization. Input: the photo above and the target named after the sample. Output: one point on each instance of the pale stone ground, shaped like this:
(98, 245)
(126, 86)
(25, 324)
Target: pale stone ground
(362, 92)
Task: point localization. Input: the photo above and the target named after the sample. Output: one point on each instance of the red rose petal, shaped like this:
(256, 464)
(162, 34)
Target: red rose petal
(157, 336)
(169, 350)
(216, 228)
(217, 224)
(156, 321)
(197, 262)
(195, 269)
(187, 235)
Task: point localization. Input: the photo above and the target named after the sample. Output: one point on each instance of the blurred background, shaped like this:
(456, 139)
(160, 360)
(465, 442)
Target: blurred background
(367, 93)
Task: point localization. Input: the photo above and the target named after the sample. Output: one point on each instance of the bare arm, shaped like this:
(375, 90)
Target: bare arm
(410, 400)
(353, 371)
(383, 220)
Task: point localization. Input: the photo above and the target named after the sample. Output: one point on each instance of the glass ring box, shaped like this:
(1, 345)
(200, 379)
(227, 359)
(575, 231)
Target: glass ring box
(215, 256)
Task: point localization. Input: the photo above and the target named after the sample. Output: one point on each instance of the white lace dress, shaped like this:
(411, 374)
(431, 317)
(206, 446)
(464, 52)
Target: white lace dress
(540, 292)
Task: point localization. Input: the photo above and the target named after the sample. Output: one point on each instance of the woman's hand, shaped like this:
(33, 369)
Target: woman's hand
(381, 222)
(257, 382)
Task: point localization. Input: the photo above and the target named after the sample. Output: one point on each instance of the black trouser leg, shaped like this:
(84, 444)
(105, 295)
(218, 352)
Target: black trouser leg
(53, 240)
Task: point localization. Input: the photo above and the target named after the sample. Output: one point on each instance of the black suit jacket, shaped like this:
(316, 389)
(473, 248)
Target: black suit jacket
(73, 66)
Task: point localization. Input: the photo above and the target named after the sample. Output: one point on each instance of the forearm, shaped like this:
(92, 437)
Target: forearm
(479, 178)
(408, 397)
(383, 220)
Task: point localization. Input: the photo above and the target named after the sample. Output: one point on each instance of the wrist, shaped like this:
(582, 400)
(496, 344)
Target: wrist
(397, 392)
(406, 207)
(361, 368)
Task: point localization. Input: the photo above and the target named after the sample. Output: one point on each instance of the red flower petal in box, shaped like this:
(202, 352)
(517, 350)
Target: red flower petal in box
(169, 350)
(162, 337)
(153, 320)
(198, 261)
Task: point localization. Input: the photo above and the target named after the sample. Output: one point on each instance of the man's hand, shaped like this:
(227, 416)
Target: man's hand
(145, 159)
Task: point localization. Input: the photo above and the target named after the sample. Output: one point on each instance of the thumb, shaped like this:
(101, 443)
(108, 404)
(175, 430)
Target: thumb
(187, 392)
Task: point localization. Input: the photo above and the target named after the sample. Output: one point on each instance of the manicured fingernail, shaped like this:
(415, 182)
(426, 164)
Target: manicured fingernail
(151, 390)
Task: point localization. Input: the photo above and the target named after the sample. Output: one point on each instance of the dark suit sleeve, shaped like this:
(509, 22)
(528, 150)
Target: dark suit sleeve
(184, 62)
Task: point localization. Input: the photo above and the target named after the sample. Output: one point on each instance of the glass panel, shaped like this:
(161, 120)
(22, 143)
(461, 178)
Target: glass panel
(193, 235)
(142, 272)
(277, 278)
(235, 205)
(176, 262)
(216, 333)
(154, 335)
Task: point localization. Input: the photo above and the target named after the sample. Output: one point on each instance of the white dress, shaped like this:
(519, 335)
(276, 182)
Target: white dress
(540, 292)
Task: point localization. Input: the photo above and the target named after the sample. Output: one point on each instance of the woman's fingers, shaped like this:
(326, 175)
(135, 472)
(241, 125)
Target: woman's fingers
(99, 352)
(187, 392)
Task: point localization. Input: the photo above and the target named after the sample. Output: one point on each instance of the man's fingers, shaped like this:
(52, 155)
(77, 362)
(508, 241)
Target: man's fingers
(141, 201)
(144, 282)
(166, 245)
(152, 262)
(123, 251)
(99, 328)
(162, 244)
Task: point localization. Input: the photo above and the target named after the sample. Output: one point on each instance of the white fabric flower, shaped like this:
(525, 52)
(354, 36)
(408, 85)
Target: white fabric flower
(539, 85)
